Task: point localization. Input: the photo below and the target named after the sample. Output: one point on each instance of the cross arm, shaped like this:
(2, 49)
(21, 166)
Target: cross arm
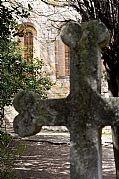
(105, 110)
(34, 113)
(112, 104)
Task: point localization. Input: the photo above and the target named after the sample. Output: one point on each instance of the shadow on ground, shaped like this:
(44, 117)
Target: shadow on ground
(47, 157)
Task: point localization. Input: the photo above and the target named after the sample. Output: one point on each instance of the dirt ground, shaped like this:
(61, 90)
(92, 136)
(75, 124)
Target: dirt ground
(47, 157)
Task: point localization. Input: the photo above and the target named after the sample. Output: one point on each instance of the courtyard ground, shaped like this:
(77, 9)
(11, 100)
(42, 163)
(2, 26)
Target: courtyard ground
(47, 157)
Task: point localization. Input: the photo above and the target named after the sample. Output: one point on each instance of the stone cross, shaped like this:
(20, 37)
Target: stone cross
(84, 112)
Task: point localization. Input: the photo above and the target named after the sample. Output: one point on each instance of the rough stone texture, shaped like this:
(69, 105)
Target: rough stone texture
(46, 20)
(84, 112)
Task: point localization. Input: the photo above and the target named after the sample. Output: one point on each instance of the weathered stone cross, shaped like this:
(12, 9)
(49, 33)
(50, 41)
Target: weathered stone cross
(84, 112)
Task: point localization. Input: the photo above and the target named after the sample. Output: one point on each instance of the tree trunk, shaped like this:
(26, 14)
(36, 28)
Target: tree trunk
(115, 138)
(113, 83)
(114, 88)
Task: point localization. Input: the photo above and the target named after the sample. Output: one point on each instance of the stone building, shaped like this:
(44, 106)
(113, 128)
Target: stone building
(42, 40)
(42, 30)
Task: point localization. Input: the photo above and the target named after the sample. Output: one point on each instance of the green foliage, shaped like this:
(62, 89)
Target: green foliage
(9, 152)
(19, 74)
(9, 13)
(15, 74)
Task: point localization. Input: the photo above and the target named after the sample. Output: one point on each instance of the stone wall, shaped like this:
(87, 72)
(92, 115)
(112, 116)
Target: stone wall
(47, 21)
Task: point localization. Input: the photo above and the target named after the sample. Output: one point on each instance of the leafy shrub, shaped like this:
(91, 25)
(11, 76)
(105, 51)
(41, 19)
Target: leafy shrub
(8, 154)
(15, 74)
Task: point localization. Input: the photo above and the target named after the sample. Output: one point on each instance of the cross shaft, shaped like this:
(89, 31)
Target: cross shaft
(84, 112)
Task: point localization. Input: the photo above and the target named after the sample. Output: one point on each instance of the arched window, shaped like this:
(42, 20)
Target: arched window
(67, 60)
(28, 45)
(62, 55)
(28, 40)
